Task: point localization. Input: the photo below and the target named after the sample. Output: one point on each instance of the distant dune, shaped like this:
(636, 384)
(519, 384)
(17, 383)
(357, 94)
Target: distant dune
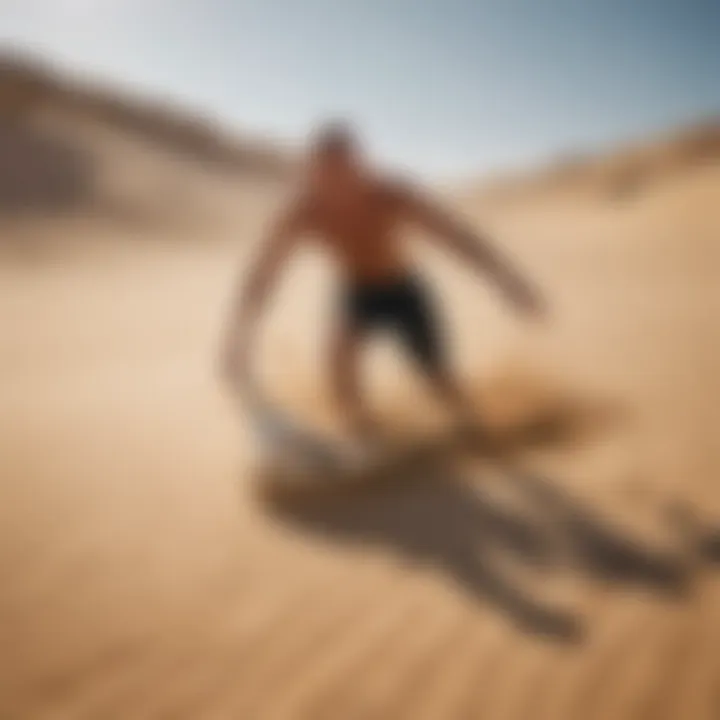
(623, 174)
(72, 146)
(69, 146)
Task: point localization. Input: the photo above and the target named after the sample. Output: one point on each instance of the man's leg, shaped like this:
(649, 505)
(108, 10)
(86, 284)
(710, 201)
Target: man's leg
(422, 333)
(345, 358)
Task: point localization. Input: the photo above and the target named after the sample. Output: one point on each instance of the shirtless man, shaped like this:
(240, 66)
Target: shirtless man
(356, 215)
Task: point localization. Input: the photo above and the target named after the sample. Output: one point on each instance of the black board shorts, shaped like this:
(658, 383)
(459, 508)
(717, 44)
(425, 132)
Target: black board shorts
(403, 306)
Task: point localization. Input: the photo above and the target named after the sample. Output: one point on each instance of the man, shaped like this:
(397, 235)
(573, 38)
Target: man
(357, 216)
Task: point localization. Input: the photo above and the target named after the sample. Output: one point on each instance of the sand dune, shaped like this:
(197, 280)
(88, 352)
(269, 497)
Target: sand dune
(143, 576)
(75, 150)
(622, 176)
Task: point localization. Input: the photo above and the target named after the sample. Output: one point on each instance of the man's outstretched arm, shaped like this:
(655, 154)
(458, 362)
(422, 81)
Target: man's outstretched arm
(473, 247)
(250, 295)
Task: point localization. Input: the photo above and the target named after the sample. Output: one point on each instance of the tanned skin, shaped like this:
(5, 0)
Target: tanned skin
(358, 217)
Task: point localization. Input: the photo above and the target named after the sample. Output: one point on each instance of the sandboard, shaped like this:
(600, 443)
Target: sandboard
(393, 460)
(294, 458)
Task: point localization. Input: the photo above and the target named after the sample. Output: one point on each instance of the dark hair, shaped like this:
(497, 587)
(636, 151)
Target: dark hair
(333, 138)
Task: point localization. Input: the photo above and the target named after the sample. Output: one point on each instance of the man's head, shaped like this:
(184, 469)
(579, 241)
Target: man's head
(335, 155)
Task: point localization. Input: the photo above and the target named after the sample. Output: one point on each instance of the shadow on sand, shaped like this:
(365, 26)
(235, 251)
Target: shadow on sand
(433, 507)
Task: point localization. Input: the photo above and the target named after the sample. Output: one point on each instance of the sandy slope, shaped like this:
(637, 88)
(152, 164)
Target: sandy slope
(141, 577)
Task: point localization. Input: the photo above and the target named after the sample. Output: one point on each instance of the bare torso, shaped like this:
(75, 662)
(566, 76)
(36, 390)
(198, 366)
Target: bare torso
(361, 231)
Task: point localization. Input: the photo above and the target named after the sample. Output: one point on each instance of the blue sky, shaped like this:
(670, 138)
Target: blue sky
(446, 87)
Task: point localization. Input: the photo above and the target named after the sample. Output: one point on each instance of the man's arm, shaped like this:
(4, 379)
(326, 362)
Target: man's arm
(250, 295)
(472, 247)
